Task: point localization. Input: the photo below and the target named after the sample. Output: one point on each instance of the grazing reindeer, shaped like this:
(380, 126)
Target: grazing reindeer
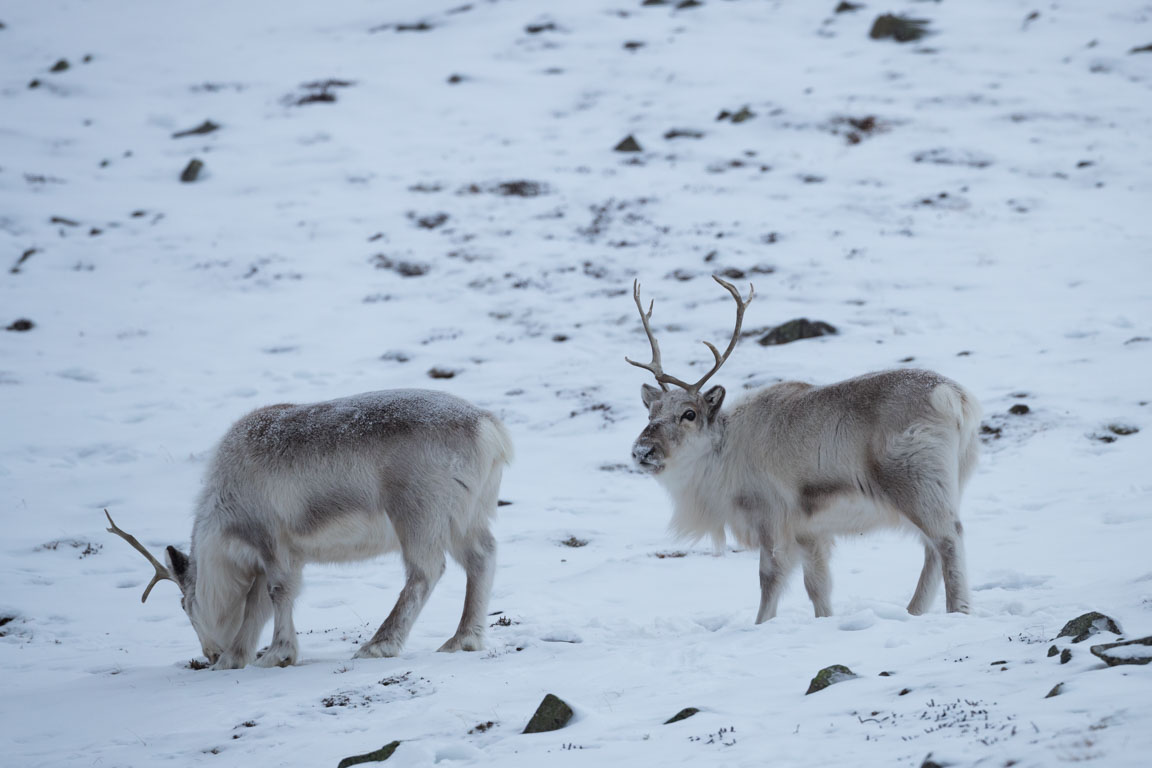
(331, 482)
(795, 464)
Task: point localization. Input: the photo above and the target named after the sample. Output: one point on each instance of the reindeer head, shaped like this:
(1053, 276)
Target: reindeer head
(181, 570)
(679, 416)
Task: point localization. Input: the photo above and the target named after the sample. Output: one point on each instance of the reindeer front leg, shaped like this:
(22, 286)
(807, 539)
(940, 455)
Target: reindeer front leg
(776, 562)
(283, 587)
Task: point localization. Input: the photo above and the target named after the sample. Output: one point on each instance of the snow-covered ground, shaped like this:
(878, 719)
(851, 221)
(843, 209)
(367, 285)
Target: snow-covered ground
(991, 221)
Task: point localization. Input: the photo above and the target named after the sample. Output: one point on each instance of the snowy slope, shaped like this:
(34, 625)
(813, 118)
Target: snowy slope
(991, 222)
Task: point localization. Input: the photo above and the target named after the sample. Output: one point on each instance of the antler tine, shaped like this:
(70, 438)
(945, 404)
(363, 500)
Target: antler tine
(653, 367)
(741, 305)
(162, 573)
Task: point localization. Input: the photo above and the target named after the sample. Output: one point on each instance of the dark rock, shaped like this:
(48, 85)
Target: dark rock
(399, 266)
(23, 324)
(1083, 627)
(34, 83)
(1019, 409)
(900, 28)
(441, 373)
(379, 756)
(794, 330)
(552, 715)
(205, 127)
(520, 188)
(420, 26)
(1056, 690)
(684, 4)
(574, 542)
(654, 2)
(60, 66)
(1065, 655)
(634, 45)
(930, 763)
(1053, 651)
(432, 221)
(683, 133)
(846, 7)
(683, 714)
(535, 29)
(1138, 651)
(1142, 49)
(191, 171)
(837, 673)
(628, 144)
(904, 692)
(1122, 429)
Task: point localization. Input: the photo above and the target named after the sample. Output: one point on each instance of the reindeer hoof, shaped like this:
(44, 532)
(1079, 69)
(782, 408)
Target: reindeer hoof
(382, 650)
(277, 657)
(465, 643)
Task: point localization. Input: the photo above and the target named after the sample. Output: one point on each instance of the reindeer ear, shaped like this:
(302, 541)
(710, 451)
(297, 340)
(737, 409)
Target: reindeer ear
(714, 398)
(178, 565)
(649, 394)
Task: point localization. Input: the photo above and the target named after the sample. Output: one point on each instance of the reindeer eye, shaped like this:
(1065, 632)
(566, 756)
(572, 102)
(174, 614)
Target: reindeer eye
(689, 416)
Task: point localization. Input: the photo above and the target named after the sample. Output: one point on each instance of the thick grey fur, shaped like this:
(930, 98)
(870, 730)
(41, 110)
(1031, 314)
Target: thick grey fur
(794, 465)
(338, 481)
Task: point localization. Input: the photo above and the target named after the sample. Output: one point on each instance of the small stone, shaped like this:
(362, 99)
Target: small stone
(205, 127)
(191, 171)
(1053, 651)
(379, 756)
(683, 714)
(34, 83)
(1138, 651)
(794, 330)
(743, 114)
(23, 324)
(1084, 626)
(902, 29)
(685, 4)
(552, 715)
(1122, 429)
(1065, 655)
(930, 763)
(1056, 690)
(441, 373)
(846, 7)
(60, 66)
(837, 673)
(1019, 409)
(628, 144)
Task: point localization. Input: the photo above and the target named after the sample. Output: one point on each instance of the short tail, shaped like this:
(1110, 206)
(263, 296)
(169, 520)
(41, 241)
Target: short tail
(495, 440)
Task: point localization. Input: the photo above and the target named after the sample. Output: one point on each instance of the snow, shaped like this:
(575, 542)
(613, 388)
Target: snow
(992, 227)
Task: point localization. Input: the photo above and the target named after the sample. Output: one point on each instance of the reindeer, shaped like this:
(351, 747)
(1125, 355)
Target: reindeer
(331, 482)
(794, 465)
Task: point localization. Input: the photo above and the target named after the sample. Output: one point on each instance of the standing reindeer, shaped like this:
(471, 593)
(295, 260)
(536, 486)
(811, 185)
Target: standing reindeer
(332, 482)
(794, 464)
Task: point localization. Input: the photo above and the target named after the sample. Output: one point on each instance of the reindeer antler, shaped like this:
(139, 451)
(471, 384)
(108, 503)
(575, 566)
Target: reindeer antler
(657, 370)
(162, 573)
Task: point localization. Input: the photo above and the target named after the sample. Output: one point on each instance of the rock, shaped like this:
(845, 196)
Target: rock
(930, 763)
(628, 144)
(1019, 409)
(1053, 651)
(683, 714)
(743, 114)
(379, 756)
(846, 7)
(837, 673)
(1056, 690)
(191, 171)
(1065, 655)
(1142, 49)
(23, 324)
(1137, 651)
(1083, 627)
(902, 29)
(441, 373)
(205, 127)
(60, 66)
(794, 330)
(552, 715)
